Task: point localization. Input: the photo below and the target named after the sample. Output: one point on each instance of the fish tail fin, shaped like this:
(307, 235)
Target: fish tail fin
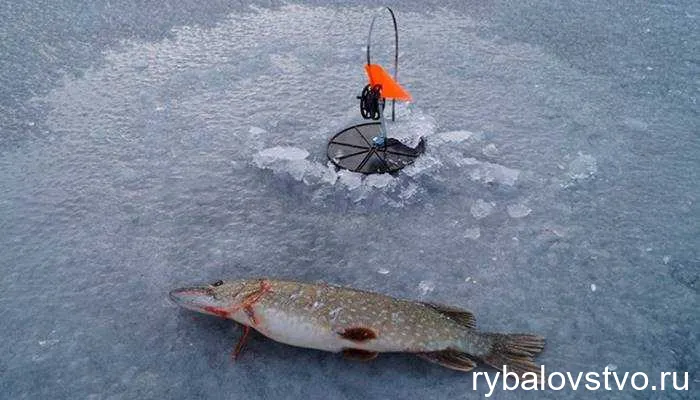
(516, 351)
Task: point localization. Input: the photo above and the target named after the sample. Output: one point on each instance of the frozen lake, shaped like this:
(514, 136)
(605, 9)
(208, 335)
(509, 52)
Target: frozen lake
(150, 145)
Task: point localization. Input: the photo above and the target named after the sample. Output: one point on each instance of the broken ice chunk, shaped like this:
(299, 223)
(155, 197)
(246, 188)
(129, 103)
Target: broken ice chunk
(518, 210)
(411, 190)
(453, 137)
(379, 180)
(584, 166)
(635, 124)
(426, 287)
(490, 150)
(494, 173)
(279, 153)
(351, 180)
(480, 209)
(254, 130)
(472, 233)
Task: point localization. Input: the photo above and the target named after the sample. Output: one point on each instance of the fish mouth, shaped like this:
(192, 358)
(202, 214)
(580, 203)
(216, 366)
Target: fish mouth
(196, 298)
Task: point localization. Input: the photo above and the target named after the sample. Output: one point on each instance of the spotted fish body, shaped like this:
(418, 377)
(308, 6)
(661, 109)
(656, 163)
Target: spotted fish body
(359, 323)
(324, 317)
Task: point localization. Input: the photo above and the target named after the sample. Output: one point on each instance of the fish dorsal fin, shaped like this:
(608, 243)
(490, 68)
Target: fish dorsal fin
(359, 355)
(460, 316)
(451, 359)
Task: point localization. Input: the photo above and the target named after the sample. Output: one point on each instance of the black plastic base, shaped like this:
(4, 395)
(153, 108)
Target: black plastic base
(353, 149)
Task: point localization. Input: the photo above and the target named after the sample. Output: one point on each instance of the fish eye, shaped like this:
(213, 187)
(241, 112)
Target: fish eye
(218, 283)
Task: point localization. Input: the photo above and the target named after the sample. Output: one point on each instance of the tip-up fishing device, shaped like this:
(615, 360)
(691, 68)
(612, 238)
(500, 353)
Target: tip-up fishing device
(365, 147)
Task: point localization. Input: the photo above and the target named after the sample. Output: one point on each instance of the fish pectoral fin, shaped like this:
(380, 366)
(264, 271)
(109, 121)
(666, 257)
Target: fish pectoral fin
(460, 316)
(451, 359)
(359, 355)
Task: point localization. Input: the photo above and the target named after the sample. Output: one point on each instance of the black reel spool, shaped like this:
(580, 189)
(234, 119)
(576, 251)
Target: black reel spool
(370, 101)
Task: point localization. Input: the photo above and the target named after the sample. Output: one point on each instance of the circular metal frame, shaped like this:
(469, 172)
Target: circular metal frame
(353, 149)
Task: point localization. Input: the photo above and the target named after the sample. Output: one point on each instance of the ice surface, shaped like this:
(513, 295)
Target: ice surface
(518, 210)
(150, 145)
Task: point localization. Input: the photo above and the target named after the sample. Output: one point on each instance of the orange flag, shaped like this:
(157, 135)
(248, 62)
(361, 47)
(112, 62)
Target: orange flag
(390, 88)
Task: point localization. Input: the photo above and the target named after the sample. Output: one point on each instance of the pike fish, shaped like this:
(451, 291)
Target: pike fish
(359, 324)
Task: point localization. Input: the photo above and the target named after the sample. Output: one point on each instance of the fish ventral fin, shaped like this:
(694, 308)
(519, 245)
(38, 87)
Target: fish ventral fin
(458, 315)
(358, 334)
(359, 355)
(451, 359)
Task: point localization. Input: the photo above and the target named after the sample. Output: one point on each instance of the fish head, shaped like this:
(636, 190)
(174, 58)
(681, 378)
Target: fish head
(220, 298)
